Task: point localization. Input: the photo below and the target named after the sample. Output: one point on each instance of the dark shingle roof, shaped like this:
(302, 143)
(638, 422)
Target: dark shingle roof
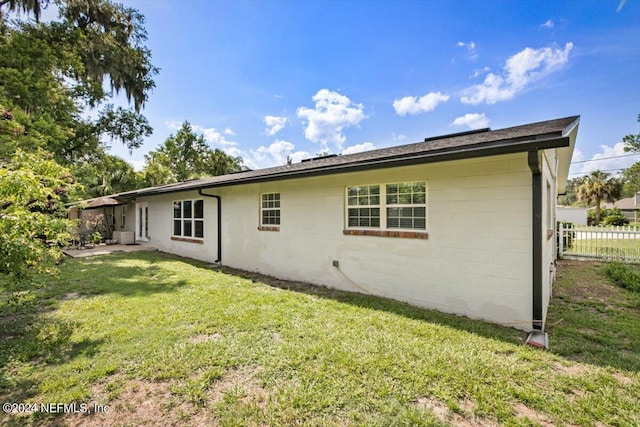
(534, 136)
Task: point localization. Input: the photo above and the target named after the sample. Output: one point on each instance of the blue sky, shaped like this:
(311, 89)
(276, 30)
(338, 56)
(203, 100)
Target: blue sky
(266, 80)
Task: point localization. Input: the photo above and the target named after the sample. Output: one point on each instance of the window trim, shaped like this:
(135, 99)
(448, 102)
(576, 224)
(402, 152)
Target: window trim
(383, 230)
(193, 219)
(270, 227)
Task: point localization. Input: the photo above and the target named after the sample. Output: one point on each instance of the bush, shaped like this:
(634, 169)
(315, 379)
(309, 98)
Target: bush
(611, 216)
(615, 217)
(623, 276)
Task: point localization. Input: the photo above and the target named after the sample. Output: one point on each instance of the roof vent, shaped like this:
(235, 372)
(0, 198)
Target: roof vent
(319, 157)
(451, 135)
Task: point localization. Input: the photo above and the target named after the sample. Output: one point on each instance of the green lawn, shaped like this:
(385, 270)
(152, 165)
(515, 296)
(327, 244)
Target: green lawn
(162, 340)
(622, 249)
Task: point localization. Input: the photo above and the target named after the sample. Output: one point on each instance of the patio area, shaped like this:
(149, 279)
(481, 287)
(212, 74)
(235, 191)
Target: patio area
(103, 249)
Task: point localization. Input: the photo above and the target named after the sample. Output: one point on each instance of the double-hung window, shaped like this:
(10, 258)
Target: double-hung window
(396, 206)
(270, 209)
(188, 218)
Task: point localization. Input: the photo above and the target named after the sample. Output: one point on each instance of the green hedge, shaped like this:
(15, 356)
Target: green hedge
(623, 276)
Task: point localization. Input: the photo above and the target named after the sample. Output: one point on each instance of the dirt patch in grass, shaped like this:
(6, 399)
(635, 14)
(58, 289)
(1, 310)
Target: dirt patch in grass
(585, 286)
(442, 412)
(524, 412)
(206, 337)
(146, 402)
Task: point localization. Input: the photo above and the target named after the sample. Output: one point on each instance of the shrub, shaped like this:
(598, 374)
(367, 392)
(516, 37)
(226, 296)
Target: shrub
(615, 217)
(623, 276)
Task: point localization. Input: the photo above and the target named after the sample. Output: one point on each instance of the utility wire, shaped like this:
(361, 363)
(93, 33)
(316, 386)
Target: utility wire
(606, 158)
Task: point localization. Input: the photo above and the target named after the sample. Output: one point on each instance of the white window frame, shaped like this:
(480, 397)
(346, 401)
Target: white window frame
(276, 207)
(383, 206)
(192, 219)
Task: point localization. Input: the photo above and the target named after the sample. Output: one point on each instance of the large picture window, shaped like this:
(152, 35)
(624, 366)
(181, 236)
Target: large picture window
(397, 206)
(270, 209)
(188, 218)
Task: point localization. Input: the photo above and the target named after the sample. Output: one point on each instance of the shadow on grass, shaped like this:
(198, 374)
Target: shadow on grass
(30, 337)
(484, 329)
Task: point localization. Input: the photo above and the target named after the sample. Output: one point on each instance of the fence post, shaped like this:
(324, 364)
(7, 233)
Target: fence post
(560, 240)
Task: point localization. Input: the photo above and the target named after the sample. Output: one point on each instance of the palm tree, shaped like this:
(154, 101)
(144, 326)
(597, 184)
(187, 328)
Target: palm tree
(598, 187)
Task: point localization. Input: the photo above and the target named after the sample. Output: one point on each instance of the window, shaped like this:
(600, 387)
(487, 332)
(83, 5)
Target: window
(188, 218)
(270, 209)
(398, 206)
(406, 205)
(364, 206)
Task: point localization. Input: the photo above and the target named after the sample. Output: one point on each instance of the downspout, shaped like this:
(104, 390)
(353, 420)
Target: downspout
(219, 222)
(536, 194)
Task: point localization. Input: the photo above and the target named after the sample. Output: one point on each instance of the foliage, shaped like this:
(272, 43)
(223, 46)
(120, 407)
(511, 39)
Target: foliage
(631, 180)
(53, 74)
(187, 156)
(623, 276)
(632, 142)
(33, 224)
(598, 187)
(570, 197)
(106, 174)
(614, 217)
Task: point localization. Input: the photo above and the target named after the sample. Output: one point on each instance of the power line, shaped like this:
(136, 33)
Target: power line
(600, 170)
(606, 158)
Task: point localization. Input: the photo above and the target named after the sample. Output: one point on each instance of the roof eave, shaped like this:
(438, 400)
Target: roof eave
(460, 153)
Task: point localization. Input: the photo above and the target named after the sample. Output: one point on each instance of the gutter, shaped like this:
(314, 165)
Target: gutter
(533, 159)
(219, 222)
(468, 152)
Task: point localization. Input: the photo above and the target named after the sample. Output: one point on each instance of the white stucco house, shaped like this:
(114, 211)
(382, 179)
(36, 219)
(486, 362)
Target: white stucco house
(461, 223)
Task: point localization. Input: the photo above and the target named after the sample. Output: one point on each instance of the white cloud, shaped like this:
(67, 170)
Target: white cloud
(399, 137)
(472, 121)
(274, 124)
(471, 47)
(479, 72)
(414, 105)
(229, 131)
(603, 161)
(276, 154)
(548, 24)
(523, 68)
(359, 148)
(138, 165)
(332, 113)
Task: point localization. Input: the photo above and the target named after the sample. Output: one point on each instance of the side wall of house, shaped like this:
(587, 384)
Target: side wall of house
(549, 169)
(475, 262)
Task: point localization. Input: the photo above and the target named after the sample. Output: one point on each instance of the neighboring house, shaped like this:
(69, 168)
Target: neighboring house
(461, 223)
(630, 207)
(570, 214)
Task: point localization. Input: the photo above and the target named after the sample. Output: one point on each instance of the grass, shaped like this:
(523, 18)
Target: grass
(623, 249)
(163, 340)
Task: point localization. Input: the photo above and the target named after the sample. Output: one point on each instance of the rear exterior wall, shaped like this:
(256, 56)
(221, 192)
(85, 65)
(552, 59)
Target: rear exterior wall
(476, 260)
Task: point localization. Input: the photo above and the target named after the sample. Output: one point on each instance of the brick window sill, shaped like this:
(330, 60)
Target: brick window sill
(186, 239)
(268, 228)
(387, 233)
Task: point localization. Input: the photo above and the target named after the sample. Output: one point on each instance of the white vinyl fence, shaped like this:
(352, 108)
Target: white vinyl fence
(601, 243)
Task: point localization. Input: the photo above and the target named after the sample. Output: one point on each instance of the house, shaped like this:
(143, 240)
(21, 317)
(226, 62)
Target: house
(630, 207)
(572, 214)
(462, 223)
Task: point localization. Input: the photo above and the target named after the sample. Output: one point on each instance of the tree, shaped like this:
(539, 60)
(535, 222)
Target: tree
(570, 197)
(33, 223)
(187, 156)
(632, 142)
(631, 180)
(106, 174)
(52, 74)
(597, 187)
